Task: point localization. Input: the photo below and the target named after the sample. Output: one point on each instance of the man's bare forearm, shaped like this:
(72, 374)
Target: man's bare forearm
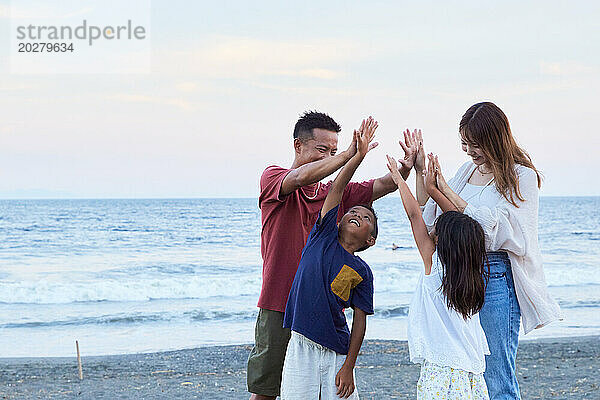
(313, 172)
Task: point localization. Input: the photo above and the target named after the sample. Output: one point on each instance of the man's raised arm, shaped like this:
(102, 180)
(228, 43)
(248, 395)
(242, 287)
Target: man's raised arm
(313, 172)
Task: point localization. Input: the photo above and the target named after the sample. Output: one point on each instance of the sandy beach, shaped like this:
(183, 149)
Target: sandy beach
(560, 368)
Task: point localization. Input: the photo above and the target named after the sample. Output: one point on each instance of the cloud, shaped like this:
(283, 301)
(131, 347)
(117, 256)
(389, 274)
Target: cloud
(187, 87)
(320, 73)
(6, 129)
(247, 58)
(145, 99)
(312, 90)
(40, 11)
(13, 87)
(568, 68)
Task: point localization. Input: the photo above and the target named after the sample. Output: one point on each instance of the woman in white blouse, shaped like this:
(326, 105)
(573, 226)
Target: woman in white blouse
(499, 189)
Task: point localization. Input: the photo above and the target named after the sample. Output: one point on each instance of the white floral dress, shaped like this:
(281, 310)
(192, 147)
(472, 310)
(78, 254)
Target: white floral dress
(450, 349)
(437, 382)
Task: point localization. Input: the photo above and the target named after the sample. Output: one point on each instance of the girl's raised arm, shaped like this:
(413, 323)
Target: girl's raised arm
(411, 206)
(434, 175)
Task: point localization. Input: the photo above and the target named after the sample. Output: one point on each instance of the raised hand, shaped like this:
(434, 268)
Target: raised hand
(363, 139)
(410, 148)
(393, 167)
(430, 176)
(439, 177)
(352, 148)
(438, 189)
(420, 158)
(365, 135)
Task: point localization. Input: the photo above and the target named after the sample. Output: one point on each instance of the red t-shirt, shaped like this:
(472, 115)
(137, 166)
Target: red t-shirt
(286, 223)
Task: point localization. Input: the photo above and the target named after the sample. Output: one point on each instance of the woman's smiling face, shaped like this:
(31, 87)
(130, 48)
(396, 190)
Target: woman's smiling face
(472, 150)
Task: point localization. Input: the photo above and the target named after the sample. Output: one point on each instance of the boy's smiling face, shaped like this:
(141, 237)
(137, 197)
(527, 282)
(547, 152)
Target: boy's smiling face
(357, 225)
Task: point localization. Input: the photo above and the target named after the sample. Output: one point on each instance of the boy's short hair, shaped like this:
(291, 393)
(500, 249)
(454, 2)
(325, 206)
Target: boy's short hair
(375, 230)
(314, 120)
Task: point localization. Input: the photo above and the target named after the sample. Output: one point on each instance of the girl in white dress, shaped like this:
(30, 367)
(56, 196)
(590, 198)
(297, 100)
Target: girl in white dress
(444, 332)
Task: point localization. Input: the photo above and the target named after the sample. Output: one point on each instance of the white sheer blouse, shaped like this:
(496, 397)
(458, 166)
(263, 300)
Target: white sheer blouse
(511, 229)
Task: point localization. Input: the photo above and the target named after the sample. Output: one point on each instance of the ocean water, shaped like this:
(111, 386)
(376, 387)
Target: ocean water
(125, 276)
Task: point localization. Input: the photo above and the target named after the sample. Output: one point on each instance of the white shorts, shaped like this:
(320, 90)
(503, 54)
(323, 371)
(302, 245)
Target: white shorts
(309, 369)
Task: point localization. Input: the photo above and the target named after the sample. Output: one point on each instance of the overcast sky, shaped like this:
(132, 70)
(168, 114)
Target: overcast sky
(229, 80)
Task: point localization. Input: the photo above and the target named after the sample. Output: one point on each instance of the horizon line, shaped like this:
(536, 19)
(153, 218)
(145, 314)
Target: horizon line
(192, 198)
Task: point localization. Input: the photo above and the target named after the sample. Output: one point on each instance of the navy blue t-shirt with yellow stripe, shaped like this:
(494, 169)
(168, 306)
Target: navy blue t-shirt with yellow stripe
(328, 280)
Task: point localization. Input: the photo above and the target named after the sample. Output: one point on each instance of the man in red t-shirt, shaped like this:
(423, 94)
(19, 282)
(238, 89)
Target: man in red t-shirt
(290, 201)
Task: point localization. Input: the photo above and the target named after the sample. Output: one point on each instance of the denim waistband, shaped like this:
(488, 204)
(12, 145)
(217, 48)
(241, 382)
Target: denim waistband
(497, 254)
(498, 261)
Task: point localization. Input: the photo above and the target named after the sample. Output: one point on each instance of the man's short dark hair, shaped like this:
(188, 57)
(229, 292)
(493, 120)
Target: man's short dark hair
(314, 120)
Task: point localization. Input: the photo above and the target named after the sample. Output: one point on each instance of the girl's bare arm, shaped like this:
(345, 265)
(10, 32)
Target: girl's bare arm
(413, 211)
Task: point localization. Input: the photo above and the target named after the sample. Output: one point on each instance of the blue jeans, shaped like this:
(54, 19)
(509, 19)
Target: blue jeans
(500, 317)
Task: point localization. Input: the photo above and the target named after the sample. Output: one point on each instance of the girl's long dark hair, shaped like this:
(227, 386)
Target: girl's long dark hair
(461, 250)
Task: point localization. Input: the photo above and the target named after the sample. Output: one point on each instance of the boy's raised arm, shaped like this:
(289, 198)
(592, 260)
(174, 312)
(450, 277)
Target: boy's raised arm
(363, 139)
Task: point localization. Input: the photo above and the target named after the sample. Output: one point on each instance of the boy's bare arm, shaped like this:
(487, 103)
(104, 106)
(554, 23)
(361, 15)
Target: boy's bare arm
(363, 145)
(344, 380)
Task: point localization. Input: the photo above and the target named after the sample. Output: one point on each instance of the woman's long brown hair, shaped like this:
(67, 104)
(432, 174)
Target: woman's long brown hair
(485, 125)
(460, 248)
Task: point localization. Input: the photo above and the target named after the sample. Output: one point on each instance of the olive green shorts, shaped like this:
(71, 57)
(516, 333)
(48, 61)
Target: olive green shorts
(265, 362)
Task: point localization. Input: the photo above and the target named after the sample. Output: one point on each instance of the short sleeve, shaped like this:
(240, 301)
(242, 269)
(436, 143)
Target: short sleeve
(362, 294)
(357, 193)
(270, 183)
(325, 226)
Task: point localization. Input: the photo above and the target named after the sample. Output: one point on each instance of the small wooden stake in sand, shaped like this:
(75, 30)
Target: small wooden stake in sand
(79, 361)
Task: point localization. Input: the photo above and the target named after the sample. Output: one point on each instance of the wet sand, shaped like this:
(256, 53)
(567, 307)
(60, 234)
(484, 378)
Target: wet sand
(560, 368)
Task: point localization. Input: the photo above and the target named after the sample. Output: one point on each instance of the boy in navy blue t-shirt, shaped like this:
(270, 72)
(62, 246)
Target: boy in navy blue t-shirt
(322, 352)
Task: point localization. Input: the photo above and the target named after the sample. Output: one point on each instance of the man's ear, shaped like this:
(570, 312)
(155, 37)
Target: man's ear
(297, 146)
